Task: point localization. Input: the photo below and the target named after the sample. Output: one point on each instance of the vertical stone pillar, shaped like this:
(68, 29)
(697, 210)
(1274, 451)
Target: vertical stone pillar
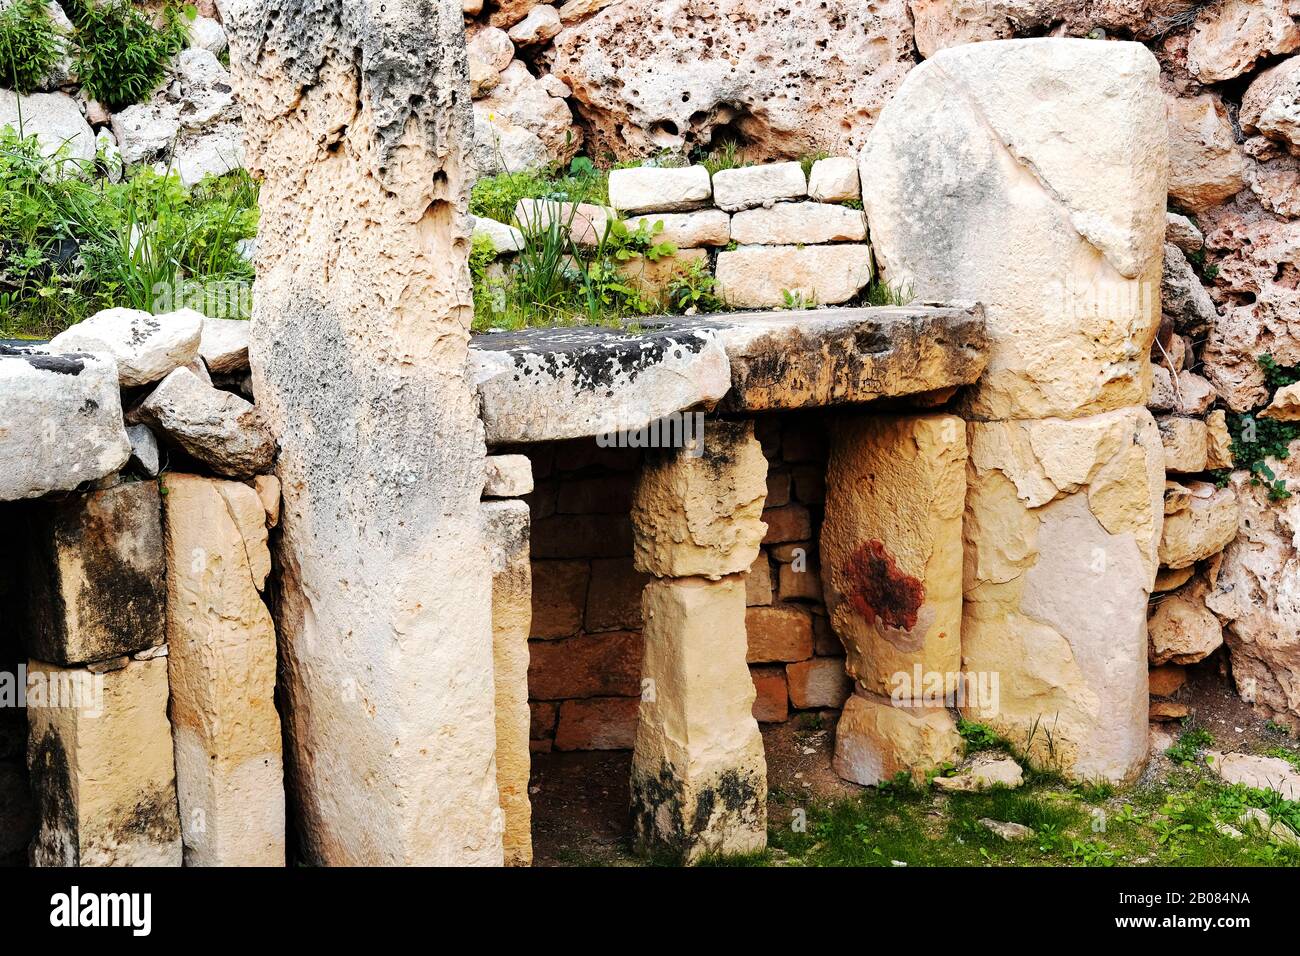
(221, 668)
(891, 550)
(699, 777)
(100, 752)
(512, 614)
(357, 118)
(1030, 175)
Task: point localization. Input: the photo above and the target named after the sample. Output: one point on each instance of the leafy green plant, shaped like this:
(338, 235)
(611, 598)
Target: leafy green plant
(979, 736)
(1255, 439)
(797, 300)
(1190, 743)
(30, 45)
(806, 161)
(694, 290)
(121, 56)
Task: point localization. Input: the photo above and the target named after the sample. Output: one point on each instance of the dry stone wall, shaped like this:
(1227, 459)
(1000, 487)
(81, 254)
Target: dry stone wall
(771, 235)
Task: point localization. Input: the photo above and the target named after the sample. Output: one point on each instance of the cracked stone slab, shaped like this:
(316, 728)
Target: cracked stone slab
(812, 358)
(60, 421)
(546, 384)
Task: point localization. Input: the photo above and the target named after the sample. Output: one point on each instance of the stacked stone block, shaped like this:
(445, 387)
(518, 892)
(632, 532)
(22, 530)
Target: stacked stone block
(769, 234)
(699, 776)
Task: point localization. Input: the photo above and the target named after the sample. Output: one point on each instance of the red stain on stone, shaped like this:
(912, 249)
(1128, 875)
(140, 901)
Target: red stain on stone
(878, 589)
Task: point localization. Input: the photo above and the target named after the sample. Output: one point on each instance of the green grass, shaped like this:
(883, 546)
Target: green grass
(1171, 824)
(72, 244)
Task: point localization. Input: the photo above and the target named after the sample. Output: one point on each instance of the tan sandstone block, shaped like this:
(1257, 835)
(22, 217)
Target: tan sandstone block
(512, 610)
(759, 277)
(1166, 680)
(758, 582)
(699, 777)
(1200, 524)
(700, 515)
(221, 668)
(891, 544)
(782, 632)
(1062, 523)
(597, 723)
(1186, 442)
(103, 776)
(819, 682)
(1218, 440)
(978, 193)
(875, 740)
(772, 698)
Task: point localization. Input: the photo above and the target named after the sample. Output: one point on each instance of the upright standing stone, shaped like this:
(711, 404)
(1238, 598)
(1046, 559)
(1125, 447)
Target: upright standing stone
(699, 777)
(512, 614)
(1062, 529)
(221, 668)
(891, 545)
(358, 121)
(1030, 175)
(101, 766)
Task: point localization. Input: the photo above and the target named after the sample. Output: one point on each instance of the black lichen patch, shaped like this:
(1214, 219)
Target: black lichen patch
(596, 359)
(72, 363)
(660, 827)
(878, 589)
(153, 817)
(51, 782)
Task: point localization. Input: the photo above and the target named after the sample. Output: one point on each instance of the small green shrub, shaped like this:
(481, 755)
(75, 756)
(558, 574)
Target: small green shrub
(886, 293)
(121, 57)
(30, 45)
(694, 290)
(1255, 439)
(806, 162)
(1191, 742)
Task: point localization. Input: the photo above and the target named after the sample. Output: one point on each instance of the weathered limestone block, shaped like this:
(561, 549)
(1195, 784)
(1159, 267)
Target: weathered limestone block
(1206, 166)
(1285, 405)
(1199, 522)
(891, 544)
(1181, 628)
(688, 230)
(644, 189)
(759, 277)
(652, 278)
(221, 666)
(875, 740)
(1257, 594)
(1048, 209)
(699, 777)
(1186, 442)
(216, 427)
(649, 75)
(147, 347)
(834, 180)
(358, 121)
(503, 238)
(1218, 440)
(700, 513)
(1232, 36)
(544, 384)
(506, 535)
(224, 345)
(1182, 233)
(93, 567)
(102, 772)
(60, 422)
(507, 476)
(1061, 528)
(1271, 106)
(792, 223)
(745, 187)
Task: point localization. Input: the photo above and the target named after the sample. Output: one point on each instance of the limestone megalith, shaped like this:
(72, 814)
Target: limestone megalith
(358, 123)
